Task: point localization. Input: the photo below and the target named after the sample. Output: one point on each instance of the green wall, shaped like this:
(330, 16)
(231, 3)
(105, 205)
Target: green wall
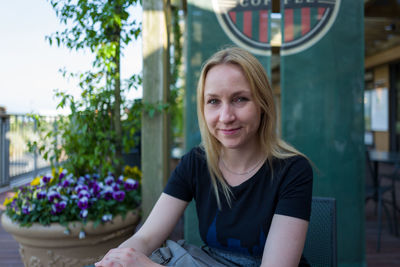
(322, 115)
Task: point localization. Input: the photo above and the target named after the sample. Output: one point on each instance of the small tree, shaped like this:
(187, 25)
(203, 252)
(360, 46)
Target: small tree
(94, 134)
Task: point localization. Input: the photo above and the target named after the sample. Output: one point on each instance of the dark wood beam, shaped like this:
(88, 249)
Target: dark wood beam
(276, 6)
(382, 8)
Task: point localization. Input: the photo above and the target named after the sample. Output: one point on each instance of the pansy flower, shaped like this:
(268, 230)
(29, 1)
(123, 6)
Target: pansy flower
(119, 195)
(131, 184)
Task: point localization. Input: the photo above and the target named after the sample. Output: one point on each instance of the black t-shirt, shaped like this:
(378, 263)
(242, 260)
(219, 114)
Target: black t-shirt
(243, 228)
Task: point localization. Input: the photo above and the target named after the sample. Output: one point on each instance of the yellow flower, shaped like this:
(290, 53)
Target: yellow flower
(55, 173)
(132, 172)
(8, 200)
(36, 181)
(127, 168)
(137, 171)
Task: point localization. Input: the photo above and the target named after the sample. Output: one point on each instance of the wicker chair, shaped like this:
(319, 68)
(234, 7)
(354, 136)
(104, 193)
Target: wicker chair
(321, 244)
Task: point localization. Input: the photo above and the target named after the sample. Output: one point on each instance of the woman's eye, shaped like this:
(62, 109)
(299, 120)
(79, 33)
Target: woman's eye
(212, 101)
(240, 99)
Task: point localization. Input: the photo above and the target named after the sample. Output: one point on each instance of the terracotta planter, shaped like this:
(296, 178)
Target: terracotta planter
(50, 246)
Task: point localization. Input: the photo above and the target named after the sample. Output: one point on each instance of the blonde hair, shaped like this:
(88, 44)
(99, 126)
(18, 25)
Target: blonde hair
(269, 141)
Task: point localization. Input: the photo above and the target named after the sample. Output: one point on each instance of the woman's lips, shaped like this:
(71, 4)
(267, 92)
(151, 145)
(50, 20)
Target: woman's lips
(229, 131)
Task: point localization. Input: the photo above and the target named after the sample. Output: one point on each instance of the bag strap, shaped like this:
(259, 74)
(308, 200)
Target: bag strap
(181, 255)
(161, 255)
(202, 256)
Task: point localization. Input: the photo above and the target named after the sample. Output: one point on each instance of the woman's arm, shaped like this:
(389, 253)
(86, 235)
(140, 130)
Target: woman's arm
(156, 229)
(285, 241)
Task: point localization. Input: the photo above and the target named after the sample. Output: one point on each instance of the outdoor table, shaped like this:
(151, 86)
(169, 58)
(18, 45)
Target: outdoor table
(377, 157)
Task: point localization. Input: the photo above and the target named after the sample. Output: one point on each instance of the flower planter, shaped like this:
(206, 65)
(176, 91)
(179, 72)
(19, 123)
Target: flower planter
(50, 246)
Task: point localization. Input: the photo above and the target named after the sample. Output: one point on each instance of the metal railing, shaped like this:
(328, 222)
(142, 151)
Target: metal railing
(4, 149)
(15, 132)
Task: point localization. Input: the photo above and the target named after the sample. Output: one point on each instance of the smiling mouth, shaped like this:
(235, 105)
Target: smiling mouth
(229, 131)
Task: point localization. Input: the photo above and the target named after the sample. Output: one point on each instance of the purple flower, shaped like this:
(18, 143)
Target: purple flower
(60, 206)
(62, 174)
(41, 195)
(83, 203)
(108, 192)
(46, 179)
(95, 189)
(90, 183)
(81, 180)
(95, 176)
(66, 183)
(106, 217)
(120, 179)
(83, 214)
(131, 184)
(115, 186)
(25, 210)
(83, 193)
(52, 195)
(87, 176)
(13, 204)
(119, 195)
(109, 180)
(81, 187)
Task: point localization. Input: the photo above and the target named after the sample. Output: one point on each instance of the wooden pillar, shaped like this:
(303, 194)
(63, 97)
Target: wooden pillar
(155, 91)
(381, 80)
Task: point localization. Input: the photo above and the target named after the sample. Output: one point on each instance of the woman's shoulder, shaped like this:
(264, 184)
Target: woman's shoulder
(196, 152)
(194, 157)
(295, 162)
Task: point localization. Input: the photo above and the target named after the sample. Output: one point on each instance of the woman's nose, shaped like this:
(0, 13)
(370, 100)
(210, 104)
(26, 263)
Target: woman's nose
(226, 115)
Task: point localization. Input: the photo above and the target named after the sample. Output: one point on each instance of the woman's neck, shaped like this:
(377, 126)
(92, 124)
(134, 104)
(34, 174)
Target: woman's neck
(242, 161)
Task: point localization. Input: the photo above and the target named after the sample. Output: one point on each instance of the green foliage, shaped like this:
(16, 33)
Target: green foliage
(85, 139)
(176, 86)
(102, 26)
(102, 123)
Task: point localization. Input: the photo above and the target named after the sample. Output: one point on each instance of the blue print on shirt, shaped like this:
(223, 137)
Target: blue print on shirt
(234, 244)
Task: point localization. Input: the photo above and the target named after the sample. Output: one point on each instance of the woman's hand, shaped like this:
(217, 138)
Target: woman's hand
(156, 229)
(125, 257)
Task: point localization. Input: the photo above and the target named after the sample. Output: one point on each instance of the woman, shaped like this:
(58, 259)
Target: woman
(252, 190)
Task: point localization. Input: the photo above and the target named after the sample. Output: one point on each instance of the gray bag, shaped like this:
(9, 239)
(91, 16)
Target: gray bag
(181, 254)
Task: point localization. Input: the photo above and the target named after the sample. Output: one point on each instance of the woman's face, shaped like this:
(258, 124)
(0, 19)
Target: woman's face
(230, 112)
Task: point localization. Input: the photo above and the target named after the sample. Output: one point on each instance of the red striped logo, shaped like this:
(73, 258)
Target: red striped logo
(247, 23)
(306, 22)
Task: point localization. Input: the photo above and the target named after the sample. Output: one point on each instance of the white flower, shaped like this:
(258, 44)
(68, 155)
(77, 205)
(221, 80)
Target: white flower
(82, 234)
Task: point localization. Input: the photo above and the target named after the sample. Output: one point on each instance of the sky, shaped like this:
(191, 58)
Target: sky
(29, 68)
